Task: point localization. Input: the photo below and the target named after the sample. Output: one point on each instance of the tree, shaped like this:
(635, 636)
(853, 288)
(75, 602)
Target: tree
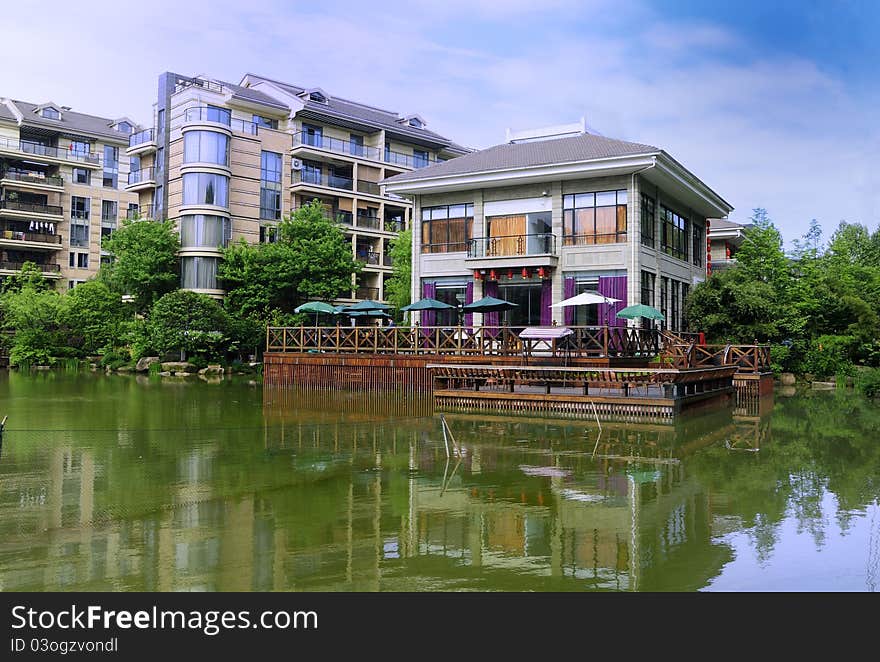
(188, 322)
(36, 316)
(145, 261)
(760, 257)
(30, 275)
(731, 307)
(95, 318)
(311, 259)
(398, 288)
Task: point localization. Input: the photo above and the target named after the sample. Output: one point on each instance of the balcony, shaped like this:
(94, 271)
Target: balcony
(407, 160)
(302, 142)
(49, 270)
(141, 179)
(15, 208)
(370, 188)
(142, 142)
(319, 178)
(144, 211)
(31, 179)
(387, 261)
(394, 225)
(369, 222)
(367, 293)
(48, 153)
(368, 257)
(30, 240)
(221, 116)
(513, 251)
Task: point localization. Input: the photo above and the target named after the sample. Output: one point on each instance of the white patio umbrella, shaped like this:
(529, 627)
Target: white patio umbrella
(584, 299)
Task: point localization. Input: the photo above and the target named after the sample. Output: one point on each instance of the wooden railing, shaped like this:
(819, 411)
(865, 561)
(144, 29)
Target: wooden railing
(463, 341)
(747, 358)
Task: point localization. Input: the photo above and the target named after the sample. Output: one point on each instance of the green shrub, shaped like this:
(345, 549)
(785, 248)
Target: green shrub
(828, 356)
(867, 382)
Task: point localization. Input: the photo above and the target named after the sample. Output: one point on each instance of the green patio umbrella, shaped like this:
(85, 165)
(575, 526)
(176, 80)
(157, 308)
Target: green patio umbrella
(427, 304)
(315, 307)
(640, 310)
(366, 304)
(488, 305)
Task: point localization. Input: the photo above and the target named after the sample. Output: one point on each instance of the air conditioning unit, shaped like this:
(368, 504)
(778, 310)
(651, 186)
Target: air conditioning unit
(296, 164)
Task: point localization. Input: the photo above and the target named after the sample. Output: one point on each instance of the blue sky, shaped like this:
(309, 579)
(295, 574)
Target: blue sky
(771, 103)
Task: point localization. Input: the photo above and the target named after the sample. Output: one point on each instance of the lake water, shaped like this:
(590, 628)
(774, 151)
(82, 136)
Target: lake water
(131, 483)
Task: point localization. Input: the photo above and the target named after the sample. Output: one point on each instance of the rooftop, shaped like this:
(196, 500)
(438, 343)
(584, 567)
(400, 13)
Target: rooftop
(71, 122)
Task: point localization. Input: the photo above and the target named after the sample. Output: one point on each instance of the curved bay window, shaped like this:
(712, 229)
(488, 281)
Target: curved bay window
(206, 147)
(447, 229)
(203, 188)
(202, 231)
(594, 218)
(198, 273)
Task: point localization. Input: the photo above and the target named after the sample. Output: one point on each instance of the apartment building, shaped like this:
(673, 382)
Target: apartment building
(228, 161)
(62, 188)
(725, 238)
(553, 213)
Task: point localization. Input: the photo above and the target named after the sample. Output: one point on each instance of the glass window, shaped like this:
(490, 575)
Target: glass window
(109, 213)
(447, 229)
(356, 145)
(268, 234)
(51, 114)
(134, 163)
(160, 120)
(311, 172)
(217, 114)
(124, 127)
(82, 176)
(80, 148)
(664, 300)
(198, 273)
(594, 218)
(648, 220)
(111, 166)
(699, 244)
(674, 234)
(203, 188)
(420, 158)
(648, 281)
(206, 147)
(82, 260)
(312, 135)
(202, 231)
(79, 207)
(267, 122)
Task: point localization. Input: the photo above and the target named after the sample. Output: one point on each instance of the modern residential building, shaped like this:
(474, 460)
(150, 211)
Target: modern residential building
(228, 161)
(540, 219)
(725, 238)
(62, 187)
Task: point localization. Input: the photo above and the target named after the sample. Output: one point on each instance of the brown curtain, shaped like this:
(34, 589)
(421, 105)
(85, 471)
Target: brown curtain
(507, 235)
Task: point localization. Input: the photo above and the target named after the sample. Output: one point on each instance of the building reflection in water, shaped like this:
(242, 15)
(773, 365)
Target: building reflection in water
(349, 497)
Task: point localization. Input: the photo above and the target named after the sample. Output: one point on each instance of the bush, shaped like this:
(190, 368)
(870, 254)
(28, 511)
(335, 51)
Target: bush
(867, 382)
(828, 356)
(189, 322)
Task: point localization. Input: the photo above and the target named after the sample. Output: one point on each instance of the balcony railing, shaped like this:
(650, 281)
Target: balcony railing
(42, 237)
(387, 261)
(369, 187)
(37, 149)
(511, 245)
(145, 211)
(367, 221)
(322, 179)
(205, 114)
(367, 293)
(244, 126)
(407, 160)
(141, 137)
(142, 175)
(34, 208)
(33, 178)
(16, 266)
(394, 226)
(368, 257)
(337, 145)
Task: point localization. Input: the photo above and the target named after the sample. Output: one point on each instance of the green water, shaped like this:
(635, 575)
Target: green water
(125, 483)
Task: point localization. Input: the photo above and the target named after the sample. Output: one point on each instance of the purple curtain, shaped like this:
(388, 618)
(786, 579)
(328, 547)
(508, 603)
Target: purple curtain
(546, 300)
(614, 287)
(490, 289)
(429, 291)
(568, 288)
(469, 298)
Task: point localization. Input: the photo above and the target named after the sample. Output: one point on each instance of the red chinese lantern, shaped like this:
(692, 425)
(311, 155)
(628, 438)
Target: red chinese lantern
(477, 275)
(541, 272)
(727, 250)
(493, 275)
(525, 273)
(510, 274)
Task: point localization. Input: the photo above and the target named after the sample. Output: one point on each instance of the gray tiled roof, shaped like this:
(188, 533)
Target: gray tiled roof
(584, 147)
(71, 122)
(6, 114)
(362, 113)
(254, 95)
(724, 224)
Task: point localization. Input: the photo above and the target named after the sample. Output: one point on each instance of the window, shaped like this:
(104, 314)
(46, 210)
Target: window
(268, 234)
(80, 148)
(317, 97)
(356, 144)
(160, 121)
(202, 188)
(79, 207)
(685, 292)
(673, 236)
(664, 299)
(447, 229)
(311, 172)
(594, 218)
(267, 122)
(219, 115)
(312, 135)
(699, 245)
(676, 309)
(79, 261)
(270, 186)
(420, 158)
(109, 212)
(133, 210)
(124, 127)
(198, 273)
(79, 235)
(202, 231)
(82, 176)
(111, 166)
(648, 220)
(206, 147)
(648, 281)
(50, 114)
(416, 122)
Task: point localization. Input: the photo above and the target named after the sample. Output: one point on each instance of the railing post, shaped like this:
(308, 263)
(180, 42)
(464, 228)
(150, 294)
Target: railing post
(605, 341)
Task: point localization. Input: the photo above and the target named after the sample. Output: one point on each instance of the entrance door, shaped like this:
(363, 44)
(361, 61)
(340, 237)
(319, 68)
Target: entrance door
(528, 296)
